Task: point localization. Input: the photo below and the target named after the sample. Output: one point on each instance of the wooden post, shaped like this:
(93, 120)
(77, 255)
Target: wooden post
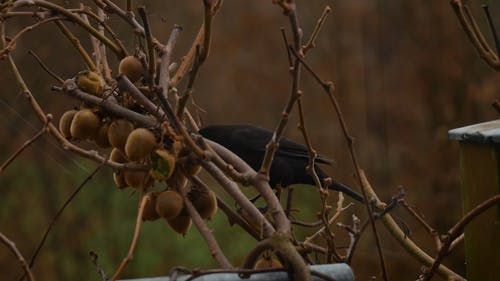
(480, 180)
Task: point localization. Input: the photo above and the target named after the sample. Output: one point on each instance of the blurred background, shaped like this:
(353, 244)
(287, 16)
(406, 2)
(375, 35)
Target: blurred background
(404, 72)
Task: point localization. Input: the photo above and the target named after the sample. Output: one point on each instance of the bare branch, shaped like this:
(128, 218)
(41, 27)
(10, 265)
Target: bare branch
(12, 247)
(138, 223)
(457, 230)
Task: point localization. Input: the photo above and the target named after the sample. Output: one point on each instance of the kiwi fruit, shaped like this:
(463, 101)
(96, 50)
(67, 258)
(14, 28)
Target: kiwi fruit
(180, 224)
(117, 156)
(131, 67)
(164, 165)
(119, 180)
(191, 166)
(177, 179)
(169, 204)
(84, 125)
(101, 138)
(137, 179)
(65, 123)
(267, 262)
(118, 132)
(140, 143)
(90, 82)
(204, 201)
(150, 213)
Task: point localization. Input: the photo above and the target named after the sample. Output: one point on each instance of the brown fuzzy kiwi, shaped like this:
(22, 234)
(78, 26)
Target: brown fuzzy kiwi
(117, 156)
(119, 180)
(204, 201)
(180, 224)
(177, 179)
(85, 124)
(131, 67)
(137, 179)
(101, 138)
(267, 262)
(190, 166)
(169, 204)
(140, 143)
(150, 213)
(118, 132)
(90, 82)
(65, 123)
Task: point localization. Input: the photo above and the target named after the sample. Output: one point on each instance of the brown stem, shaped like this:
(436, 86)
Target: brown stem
(165, 58)
(7, 48)
(59, 213)
(259, 182)
(45, 67)
(127, 16)
(22, 148)
(138, 224)
(234, 191)
(76, 43)
(150, 46)
(457, 230)
(474, 34)
(12, 247)
(329, 90)
(206, 233)
(311, 43)
(232, 216)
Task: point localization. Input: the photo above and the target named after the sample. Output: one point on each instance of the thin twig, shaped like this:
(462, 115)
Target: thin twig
(150, 46)
(7, 48)
(285, 40)
(189, 90)
(457, 230)
(337, 214)
(205, 232)
(40, 62)
(492, 28)
(165, 57)
(94, 256)
(232, 216)
(329, 90)
(76, 43)
(137, 230)
(421, 220)
(22, 148)
(311, 42)
(200, 38)
(59, 213)
(12, 247)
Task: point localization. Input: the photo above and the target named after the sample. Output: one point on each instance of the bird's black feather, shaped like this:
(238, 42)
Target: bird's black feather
(290, 161)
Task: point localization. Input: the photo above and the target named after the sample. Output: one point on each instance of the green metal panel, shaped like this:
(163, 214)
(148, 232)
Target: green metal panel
(479, 164)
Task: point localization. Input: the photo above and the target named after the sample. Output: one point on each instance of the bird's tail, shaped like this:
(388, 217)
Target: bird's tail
(345, 189)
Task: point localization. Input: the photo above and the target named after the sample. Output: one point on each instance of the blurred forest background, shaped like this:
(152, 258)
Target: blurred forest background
(405, 74)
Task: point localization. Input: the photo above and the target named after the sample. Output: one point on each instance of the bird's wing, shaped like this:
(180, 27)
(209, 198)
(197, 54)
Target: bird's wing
(255, 139)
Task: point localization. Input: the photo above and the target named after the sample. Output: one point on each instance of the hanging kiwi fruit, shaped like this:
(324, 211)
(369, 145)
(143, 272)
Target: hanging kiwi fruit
(150, 213)
(169, 204)
(90, 82)
(101, 138)
(118, 176)
(84, 125)
(140, 143)
(119, 180)
(65, 123)
(164, 165)
(131, 67)
(137, 179)
(118, 132)
(204, 201)
(180, 224)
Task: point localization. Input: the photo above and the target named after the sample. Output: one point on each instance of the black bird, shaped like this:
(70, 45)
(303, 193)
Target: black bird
(290, 161)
